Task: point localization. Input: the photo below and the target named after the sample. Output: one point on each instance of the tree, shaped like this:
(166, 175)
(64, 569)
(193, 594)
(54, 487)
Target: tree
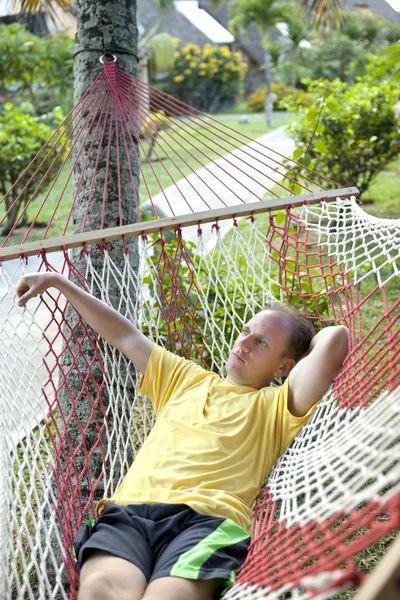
(295, 36)
(265, 14)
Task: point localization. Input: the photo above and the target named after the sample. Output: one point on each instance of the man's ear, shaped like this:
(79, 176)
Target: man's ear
(285, 368)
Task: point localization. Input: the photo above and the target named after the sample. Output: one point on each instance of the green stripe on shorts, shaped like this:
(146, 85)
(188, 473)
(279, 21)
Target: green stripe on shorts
(189, 563)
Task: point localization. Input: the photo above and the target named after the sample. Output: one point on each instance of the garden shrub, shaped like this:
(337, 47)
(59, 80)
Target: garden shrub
(38, 70)
(256, 101)
(22, 135)
(207, 78)
(349, 133)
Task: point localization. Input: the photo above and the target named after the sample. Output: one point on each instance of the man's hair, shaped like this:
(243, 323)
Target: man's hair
(301, 329)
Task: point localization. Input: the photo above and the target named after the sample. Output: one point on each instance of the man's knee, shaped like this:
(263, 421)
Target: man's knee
(104, 577)
(100, 586)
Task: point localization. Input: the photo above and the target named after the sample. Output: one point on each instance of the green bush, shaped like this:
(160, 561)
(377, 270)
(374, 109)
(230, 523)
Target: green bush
(349, 132)
(38, 70)
(207, 78)
(256, 100)
(22, 135)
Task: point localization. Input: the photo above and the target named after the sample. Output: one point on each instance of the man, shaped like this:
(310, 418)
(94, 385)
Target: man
(178, 526)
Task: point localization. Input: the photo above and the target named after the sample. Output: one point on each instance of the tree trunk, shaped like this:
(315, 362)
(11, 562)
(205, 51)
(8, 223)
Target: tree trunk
(109, 24)
(269, 103)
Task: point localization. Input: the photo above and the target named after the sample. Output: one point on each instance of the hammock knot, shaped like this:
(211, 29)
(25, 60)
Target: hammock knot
(323, 198)
(145, 237)
(83, 251)
(43, 255)
(306, 203)
(199, 230)
(289, 208)
(215, 226)
(235, 223)
(124, 246)
(251, 218)
(178, 233)
(103, 247)
(24, 256)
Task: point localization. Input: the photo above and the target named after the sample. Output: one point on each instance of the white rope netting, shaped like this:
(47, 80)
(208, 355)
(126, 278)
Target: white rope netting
(194, 300)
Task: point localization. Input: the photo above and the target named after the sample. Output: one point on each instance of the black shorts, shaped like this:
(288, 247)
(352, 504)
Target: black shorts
(166, 540)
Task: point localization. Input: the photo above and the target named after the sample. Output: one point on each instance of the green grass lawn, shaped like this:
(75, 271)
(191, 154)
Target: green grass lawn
(241, 108)
(384, 193)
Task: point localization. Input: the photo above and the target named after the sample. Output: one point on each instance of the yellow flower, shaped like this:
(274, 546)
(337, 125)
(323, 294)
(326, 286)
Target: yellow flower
(177, 54)
(188, 57)
(176, 41)
(225, 52)
(187, 72)
(178, 78)
(203, 73)
(193, 64)
(191, 48)
(207, 52)
(226, 77)
(203, 65)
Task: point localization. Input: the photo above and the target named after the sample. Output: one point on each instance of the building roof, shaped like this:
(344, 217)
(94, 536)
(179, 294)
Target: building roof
(188, 23)
(378, 7)
(251, 44)
(204, 21)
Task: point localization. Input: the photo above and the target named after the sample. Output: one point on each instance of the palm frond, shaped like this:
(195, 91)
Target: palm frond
(328, 12)
(166, 6)
(47, 6)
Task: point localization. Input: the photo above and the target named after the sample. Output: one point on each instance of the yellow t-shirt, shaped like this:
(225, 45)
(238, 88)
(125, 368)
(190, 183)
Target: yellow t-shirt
(213, 443)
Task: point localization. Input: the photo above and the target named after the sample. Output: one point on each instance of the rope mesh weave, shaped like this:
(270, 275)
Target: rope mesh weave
(336, 489)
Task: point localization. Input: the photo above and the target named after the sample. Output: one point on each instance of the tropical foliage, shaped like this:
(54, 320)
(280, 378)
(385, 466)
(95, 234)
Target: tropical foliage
(22, 135)
(36, 69)
(281, 91)
(349, 133)
(207, 78)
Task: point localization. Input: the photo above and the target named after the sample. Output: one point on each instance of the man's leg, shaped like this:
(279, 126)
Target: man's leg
(107, 577)
(177, 588)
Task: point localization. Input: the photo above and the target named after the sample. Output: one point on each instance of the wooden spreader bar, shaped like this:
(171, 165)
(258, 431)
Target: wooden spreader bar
(136, 229)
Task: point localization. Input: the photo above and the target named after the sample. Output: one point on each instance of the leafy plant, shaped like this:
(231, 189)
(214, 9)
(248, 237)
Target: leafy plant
(22, 135)
(39, 70)
(256, 101)
(206, 78)
(349, 132)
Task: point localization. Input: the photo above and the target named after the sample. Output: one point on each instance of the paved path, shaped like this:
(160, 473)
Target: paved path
(22, 344)
(227, 181)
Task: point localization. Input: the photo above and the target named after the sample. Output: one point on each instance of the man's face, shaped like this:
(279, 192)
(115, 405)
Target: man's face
(256, 357)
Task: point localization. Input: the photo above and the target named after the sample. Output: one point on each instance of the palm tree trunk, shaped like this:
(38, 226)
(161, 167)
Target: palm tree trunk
(109, 23)
(268, 97)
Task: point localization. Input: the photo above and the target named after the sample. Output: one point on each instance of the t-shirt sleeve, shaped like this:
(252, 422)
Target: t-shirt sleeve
(166, 375)
(290, 425)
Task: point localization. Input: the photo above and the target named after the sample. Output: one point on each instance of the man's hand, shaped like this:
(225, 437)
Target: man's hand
(33, 284)
(312, 376)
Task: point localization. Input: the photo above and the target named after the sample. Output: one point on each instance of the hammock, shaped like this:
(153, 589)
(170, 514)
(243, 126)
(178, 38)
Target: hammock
(223, 225)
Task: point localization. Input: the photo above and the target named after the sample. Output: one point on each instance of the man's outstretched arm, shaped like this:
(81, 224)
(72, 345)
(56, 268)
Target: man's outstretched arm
(311, 377)
(113, 327)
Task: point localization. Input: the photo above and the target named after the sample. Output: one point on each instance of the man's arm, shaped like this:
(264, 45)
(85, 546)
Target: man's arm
(311, 377)
(113, 327)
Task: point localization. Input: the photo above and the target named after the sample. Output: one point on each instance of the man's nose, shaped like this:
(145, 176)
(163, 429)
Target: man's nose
(245, 345)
